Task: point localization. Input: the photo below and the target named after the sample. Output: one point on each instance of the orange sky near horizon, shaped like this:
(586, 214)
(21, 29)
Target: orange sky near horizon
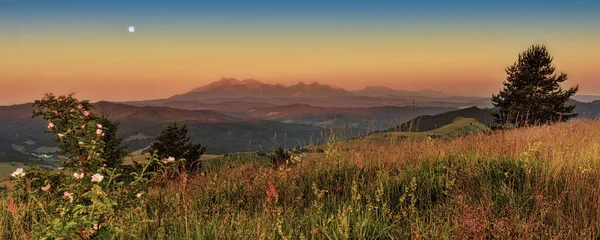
(150, 64)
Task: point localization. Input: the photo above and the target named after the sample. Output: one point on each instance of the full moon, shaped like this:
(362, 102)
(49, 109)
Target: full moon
(131, 29)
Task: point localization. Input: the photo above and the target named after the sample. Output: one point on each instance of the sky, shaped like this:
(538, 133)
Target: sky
(460, 47)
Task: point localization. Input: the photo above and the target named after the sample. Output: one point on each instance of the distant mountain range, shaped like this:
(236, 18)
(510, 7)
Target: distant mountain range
(232, 95)
(233, 88)
(586, 98)
(379, 91)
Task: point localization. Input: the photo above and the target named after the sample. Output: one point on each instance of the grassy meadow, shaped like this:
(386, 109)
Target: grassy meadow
(532, 183)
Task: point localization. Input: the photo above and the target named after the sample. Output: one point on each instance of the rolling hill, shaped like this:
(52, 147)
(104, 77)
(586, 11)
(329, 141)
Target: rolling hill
(21, 136)
(427, 123)
(365, 119)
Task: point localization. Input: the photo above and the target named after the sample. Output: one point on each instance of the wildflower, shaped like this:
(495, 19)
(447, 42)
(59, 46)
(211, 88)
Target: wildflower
(12, 207)
(99, 132)
(99, 125)
(272, 195)
(171, 159)
(68, 195)
(78, 176)
(80, 143)
(46, 188)
(50, 126)
(139, 195)
(95, 226)
(97, 178)
(60, 135)
(80, 106)
(86, 113)
(18, 173)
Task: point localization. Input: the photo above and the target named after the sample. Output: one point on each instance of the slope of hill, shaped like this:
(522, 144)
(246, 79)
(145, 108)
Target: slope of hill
(586, 98)
(426, 123)
(119, 111)
(459, 127)
(371, 118)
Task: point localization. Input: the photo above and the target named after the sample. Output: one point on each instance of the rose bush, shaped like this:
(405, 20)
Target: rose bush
(84, 198)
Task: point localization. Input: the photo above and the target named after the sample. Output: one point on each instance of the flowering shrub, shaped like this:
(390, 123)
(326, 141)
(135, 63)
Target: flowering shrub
(82, 200)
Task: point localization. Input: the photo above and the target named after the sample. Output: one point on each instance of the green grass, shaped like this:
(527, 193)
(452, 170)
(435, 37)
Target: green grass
(139, 136)
(6, 168)
(47, 150)
(18, 148)
(458, 128)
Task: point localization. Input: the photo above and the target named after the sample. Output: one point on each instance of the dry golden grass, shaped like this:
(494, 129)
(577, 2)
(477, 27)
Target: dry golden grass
(530, 183)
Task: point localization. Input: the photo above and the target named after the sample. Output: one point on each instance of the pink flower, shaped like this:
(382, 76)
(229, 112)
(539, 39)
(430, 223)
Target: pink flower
(45, 99)
(78, 175)
(139, 195)
(18, 173)
(86, 113)
(50, 126)
(99, 131)
(46, 188)
(97, 178)
(68, 195)
(60, 135)
(80, 106)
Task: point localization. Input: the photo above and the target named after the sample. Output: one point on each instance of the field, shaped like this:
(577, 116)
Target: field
(531, 183)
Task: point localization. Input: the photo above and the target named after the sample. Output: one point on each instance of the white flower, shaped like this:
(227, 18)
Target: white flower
(95, 226)
(171, 159)
(99, 131)
(97, 178)
(99, 125)
(46, 188)
(78, 175)
(139, 195)
(60, 135)
(50, 126)
(80, 143)
(18, 173)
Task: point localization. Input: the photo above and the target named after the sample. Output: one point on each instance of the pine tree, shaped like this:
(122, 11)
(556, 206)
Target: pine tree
(174, 141)
(115, 148)
(532, 94)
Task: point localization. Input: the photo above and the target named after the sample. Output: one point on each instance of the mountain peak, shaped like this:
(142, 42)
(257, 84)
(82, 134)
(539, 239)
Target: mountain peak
(228, 81)
(234, 88)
